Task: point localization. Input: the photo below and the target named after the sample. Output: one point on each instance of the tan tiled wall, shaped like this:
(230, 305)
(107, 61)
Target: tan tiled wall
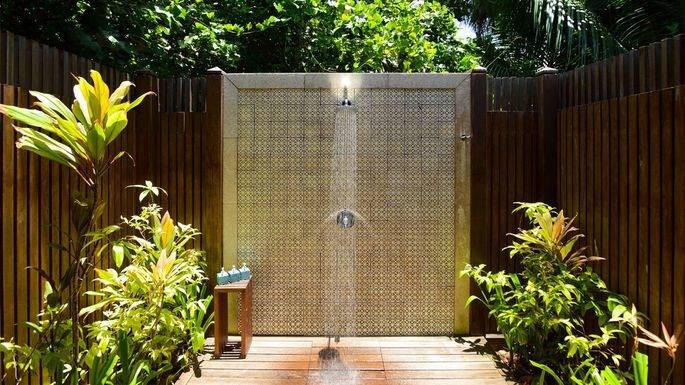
(412, 189)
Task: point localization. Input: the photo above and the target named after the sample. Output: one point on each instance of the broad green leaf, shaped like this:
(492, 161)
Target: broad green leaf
(118, 254)
(115, 125)
(80, 107)
(28, 116)
(51, 103)
(640, 368)
(120, 93)
(101, 93)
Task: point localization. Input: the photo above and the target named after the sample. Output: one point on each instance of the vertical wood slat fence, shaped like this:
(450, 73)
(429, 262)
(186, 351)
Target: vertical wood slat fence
(621, 162)
(620, 165)
(36, 194)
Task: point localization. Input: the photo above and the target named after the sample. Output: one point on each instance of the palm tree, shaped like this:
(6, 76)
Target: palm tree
(517, 36)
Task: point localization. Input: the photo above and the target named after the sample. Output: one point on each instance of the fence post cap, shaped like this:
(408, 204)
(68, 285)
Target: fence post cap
(546, 71)
(478, 70)
(215, 70)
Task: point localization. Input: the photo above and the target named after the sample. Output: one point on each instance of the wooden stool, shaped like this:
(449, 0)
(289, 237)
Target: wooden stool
(244, 288)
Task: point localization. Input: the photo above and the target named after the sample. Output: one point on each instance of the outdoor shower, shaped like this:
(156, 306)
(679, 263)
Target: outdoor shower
(339, 302)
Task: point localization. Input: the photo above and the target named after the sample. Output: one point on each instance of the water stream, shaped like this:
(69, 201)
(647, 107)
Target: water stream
(338, 263)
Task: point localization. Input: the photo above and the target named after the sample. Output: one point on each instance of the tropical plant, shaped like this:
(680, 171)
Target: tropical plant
(669, 344)
(544, 311)
(186, 37)
(519, 36)
(77, 138)
(374, 36)
(164, 275)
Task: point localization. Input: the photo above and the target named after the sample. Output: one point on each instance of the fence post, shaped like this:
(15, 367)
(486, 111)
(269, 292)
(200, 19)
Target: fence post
(477, 315)
(144, 119)
(547, 94)
(212, 201)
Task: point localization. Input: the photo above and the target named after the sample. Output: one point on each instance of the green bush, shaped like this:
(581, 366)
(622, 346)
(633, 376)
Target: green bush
(156, 306)
(546, 313)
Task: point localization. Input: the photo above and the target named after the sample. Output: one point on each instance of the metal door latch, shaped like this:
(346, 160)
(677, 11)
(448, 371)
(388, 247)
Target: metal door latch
(465, 136)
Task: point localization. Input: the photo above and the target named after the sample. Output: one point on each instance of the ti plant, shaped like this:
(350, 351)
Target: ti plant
(669, 344)
(560, 322)
(76, 138)
(157, 301)
(545, 312)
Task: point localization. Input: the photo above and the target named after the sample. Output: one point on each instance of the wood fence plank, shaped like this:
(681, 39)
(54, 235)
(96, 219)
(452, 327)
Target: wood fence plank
(666, 215)
(197, 172)
(8, 221)
(590, 180)
(606, 197)
(510, 168)
(21, 232)
(643, 68)
(679, 60)
(573, 166)
(563, 185)
(654, 73)
(613, 194)
(497, 228)
(679, 225)
(34, 241)
(597, 191)
(165, 157)
(581, 162)
(178, 154)
(633, 198)
(666, 60)
(188, 163)
(624, 263)
(173, 160)
(654, 221)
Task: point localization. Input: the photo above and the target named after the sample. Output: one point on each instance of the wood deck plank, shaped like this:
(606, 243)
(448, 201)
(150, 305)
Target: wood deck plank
(372, 361)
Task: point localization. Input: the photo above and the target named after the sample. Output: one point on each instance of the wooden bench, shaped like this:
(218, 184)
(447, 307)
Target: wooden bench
(244, 289)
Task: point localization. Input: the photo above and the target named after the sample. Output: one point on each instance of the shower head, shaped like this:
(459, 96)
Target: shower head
(346, 102)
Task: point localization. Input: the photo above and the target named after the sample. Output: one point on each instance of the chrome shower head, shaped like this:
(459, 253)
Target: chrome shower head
(346, 101)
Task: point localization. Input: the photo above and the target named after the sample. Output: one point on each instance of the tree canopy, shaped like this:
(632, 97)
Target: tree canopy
(186, 37)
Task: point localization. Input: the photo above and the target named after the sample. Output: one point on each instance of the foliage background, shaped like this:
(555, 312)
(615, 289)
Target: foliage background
(186, 37)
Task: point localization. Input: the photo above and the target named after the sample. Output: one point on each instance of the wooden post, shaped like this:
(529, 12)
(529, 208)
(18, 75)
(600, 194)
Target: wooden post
(548, 83)
(144, 120)
(477, 314)
(212, 196)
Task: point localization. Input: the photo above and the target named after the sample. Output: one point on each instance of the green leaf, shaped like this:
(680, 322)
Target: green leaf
(118, 254)
(28, 116)
(548, 370)
(640, 368)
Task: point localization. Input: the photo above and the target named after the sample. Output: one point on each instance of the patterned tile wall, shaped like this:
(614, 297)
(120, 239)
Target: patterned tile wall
(401, 268)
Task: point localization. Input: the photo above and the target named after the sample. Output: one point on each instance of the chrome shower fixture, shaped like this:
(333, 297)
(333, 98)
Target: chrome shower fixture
(346, 102)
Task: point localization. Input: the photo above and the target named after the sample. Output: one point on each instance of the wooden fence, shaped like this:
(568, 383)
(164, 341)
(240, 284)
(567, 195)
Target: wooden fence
(617, 130)
(165, 136)
(621, 168)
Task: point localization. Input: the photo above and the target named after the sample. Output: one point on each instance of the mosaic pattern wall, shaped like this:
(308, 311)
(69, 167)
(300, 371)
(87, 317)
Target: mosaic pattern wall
(403, 259)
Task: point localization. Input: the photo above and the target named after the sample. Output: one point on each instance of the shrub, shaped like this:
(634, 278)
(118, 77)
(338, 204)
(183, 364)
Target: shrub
(156, 306)
(547, 312)
(76, 138)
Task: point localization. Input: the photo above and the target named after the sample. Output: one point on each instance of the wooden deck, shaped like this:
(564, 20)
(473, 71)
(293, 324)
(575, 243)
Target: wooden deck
(363, 361)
